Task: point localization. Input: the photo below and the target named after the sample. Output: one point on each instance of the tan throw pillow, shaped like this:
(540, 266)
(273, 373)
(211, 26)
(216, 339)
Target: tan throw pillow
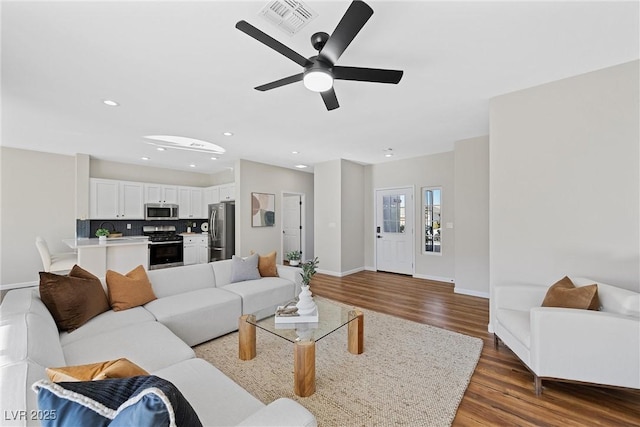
(128, 291)
(72, 299)
(120, 368)
(267, 264)
(565, 294)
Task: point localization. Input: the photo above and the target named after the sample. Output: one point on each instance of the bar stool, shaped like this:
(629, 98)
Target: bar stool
(61, 262)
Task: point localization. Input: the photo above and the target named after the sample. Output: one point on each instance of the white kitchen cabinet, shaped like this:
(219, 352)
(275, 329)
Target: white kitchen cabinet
(190, 201)
(196, 249)
(227, 192)
(210, 195)
(158, 193)
(113, 199)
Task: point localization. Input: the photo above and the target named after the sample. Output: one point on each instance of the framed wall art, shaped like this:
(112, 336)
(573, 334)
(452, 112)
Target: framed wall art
(263, 210)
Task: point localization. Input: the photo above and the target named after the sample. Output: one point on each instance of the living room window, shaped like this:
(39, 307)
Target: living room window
(432, 206)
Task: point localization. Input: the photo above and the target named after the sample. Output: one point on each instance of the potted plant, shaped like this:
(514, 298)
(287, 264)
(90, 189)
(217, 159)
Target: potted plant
(308, 270)
(102, 233)
(306, 305)
(293, 257)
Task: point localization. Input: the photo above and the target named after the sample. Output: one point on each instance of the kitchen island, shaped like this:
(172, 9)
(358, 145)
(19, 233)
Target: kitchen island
(121, 254)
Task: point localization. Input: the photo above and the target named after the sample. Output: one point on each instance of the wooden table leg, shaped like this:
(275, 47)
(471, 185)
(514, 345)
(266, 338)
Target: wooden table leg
(355, 343)
(304, 368)
(246, 337)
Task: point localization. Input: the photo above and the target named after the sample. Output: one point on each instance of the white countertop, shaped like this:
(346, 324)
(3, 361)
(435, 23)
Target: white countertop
(114, 241)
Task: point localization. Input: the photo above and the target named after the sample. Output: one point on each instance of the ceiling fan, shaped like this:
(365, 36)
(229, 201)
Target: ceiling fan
(320, 71)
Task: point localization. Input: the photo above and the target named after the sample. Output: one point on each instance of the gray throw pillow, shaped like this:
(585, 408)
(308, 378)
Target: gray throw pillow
(244, 269)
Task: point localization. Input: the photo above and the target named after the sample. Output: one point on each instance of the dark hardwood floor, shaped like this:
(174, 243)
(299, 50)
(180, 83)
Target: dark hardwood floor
(501, 389)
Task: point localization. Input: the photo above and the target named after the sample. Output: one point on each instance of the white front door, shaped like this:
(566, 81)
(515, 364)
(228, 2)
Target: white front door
(291, 223)
(394, 230)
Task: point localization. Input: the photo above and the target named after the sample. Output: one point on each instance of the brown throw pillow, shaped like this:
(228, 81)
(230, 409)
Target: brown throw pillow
(267, 265)
(565, 294)
(120, 368)
(72, 299)
(130, 290)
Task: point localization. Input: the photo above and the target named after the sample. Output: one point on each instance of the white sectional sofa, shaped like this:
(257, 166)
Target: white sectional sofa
(600, 347)
(195, 304)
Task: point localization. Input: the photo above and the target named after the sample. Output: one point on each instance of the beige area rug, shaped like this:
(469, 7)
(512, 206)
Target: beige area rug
(410, 374)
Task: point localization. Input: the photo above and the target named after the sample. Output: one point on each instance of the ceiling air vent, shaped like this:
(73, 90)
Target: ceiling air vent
(289, 16)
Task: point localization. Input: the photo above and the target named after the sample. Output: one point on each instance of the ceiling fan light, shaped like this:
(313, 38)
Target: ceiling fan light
(318, 80)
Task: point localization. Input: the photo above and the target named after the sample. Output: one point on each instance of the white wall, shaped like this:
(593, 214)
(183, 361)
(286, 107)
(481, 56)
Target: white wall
(435, 170)
(352, 213)
(126, 172)
(565, 181)
(263, 178)
(328, 216)
(472, 216)
(38, 198)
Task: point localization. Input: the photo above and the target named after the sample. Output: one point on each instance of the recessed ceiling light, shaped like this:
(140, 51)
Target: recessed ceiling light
(388, 152)
(302, 166)
(227, 133)
(145, 158)
(192, 165)
(214, 158)
(295, 152)
(110, 103)
(161, 149)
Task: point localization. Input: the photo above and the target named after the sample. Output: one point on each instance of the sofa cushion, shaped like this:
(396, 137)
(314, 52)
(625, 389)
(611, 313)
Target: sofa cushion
(120, 368)
(177, 280)
(226, 404)
(222, 271)
(267, 264)
(130, 290)
(28, 336)
(73, 299)
(200, 315)
(140, 401)
(149, 345)
(107, 321)
(259, 294)
(614, 299)
(244, 268)
(16, 394)
(564, 294)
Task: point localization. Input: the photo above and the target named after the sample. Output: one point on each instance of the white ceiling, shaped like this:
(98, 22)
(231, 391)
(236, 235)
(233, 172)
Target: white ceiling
(181, 68)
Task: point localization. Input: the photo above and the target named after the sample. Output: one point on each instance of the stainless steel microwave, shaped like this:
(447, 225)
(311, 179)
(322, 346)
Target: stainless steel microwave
(160, 211)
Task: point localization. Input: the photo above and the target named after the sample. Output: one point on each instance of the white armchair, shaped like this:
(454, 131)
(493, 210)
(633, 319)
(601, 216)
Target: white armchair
(601, 347)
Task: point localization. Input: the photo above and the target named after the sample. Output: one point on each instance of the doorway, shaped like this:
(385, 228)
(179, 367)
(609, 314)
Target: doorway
(395, 230)
(292, 224)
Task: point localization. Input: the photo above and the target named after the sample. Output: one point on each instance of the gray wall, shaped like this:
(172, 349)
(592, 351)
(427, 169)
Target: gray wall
(37, 199)
(565, 182)
(435, 170)
(262, 178)
(352, 213)
(328, 216)
(472, 216)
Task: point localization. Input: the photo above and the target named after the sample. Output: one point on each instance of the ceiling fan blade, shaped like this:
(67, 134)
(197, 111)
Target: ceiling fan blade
(282, 82)
(349, 26)
(274, 44)
(330, 99)
(375, 75)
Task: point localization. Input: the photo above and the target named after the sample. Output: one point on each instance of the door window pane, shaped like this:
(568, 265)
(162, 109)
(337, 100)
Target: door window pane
(432, 220)
(393, 213)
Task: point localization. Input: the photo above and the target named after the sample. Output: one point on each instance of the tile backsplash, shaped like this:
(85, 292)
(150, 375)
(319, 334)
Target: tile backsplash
(88, 227)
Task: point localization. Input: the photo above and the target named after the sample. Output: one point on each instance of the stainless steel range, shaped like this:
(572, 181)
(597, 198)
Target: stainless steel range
(165, 246)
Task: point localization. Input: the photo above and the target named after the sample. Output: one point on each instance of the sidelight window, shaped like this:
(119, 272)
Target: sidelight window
(432, 206)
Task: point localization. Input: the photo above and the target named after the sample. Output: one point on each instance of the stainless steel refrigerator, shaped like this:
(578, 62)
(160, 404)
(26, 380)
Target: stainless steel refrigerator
(222, 230)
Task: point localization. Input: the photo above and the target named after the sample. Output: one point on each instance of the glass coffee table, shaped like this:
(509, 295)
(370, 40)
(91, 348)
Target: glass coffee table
(331, 317)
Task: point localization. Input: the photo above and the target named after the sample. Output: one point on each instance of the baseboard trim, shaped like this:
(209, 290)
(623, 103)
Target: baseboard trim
(434, 278)
(340, 274)
(471, 293)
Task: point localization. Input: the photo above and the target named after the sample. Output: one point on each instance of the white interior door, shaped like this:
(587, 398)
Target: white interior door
(394, 230)
(291, 223)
